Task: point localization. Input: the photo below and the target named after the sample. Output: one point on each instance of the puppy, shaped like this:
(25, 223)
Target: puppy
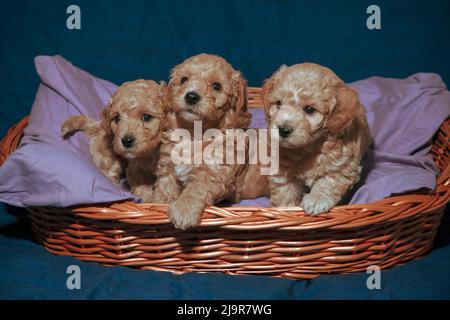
(128, 136)
(323, 134)
(203, 88)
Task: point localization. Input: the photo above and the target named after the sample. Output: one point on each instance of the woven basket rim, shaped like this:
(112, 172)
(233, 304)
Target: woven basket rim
(242, 217)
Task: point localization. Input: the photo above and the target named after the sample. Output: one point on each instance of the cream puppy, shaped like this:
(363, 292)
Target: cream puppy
(323, 134)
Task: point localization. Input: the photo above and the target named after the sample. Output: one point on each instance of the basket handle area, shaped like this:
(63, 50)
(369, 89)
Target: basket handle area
(254, 97)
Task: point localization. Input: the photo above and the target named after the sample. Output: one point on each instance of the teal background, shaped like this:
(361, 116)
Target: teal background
(125, 40)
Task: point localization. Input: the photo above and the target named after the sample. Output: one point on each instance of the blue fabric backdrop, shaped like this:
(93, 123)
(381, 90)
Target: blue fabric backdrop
(125, 40)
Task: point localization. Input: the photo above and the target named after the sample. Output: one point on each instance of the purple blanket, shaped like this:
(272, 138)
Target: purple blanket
(403, 115)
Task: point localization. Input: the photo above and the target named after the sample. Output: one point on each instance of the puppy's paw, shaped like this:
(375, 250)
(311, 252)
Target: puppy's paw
(315, 204)
(65, 131)
(185, 214)
(73, 124)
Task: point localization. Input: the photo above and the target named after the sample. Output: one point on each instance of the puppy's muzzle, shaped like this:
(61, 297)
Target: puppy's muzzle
(192, 98)
(128, 141)
(284, 131)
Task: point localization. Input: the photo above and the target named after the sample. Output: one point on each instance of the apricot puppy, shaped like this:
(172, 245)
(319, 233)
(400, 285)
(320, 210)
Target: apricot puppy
(323, 134)
(128, 136)
(203, 88)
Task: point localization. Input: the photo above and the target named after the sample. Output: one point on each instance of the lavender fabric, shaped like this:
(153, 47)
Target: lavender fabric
(46, 170)
(403, 115)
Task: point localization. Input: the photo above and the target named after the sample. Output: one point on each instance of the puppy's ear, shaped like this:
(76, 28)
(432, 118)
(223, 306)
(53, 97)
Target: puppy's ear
(169, 90)
(265, 90)
(238, 114)
(105, 119)
(172, 122)
(173, 76)
(347, 106)
(239, 98)
(162, 91)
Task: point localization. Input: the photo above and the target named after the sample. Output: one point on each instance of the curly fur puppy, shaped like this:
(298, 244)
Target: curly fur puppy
(323, 134)
(128, 136)
(203, 88)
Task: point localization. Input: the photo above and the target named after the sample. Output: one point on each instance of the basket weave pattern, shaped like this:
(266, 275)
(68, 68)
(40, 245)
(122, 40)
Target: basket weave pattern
(281, 242)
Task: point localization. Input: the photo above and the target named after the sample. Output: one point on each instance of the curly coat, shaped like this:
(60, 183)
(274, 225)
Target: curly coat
(323, 134)
(128, 136)
(221, 103)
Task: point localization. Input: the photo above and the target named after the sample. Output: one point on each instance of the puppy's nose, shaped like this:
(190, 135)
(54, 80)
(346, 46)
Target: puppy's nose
(192, 98)
(128, 141)
(284, 131)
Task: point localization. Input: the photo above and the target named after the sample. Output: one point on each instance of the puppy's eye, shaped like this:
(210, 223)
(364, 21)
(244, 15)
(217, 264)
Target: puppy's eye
(116, 118)
(278, 104)
(146, 117)
(309, 110)
(216, 86)
(183, 80)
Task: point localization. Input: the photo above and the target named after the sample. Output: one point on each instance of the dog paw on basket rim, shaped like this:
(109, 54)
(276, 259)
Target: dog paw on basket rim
(186, 212)
(315, 204)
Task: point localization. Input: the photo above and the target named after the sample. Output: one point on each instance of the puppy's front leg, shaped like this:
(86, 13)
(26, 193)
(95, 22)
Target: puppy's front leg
(166, 188)
(140, 181)
(104, 157)
(285, 192)
(205, 189)
(111, 168)
(325, 194)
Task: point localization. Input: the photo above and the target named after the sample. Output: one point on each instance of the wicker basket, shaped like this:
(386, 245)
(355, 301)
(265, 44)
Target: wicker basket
(281, 242)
